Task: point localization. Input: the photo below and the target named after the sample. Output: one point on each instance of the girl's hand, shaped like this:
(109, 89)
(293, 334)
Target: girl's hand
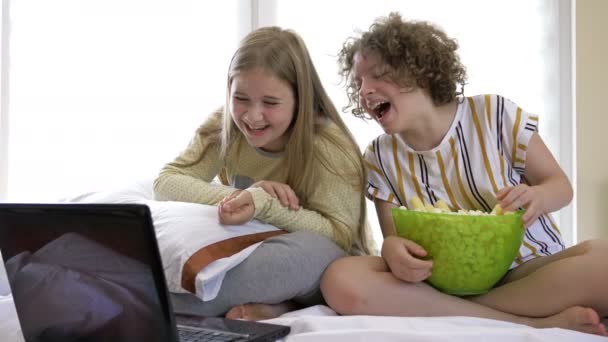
(283, 192)
(401, 257)
(514, 197)
(237, 208)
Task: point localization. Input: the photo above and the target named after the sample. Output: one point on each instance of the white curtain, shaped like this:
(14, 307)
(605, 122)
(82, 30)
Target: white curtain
(99, 92)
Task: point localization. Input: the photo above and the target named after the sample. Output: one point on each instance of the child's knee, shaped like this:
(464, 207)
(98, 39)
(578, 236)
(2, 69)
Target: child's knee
(595, 254)
(598, 248)
(335, 272)
(341, 289)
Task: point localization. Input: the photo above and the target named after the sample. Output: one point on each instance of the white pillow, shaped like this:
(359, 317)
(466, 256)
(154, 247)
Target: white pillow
(195, 248)
(136, 192)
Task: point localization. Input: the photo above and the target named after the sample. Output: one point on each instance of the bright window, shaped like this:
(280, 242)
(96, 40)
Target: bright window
(105, 92)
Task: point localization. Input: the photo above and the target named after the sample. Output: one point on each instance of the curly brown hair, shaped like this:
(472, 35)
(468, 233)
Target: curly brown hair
(415, 53)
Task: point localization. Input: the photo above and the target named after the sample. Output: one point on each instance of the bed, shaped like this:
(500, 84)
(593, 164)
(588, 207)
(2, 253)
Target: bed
(318, 323)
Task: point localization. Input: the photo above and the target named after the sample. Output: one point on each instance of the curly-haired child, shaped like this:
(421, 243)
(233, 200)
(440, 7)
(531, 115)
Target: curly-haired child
(472, 152)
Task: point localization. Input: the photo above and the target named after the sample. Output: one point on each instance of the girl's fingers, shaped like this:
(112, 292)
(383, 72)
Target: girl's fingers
(412, 275)
(410, 256)
(294, 202)
(418, 264)
(270, 190)
(231, 196)
(503, 192)
(221, 216)
(237, 216)
(525, 218)
(508, 206)
(512, 194)
(420, 275)
(236, 202)
(511, 203)
(529, 221)
(530, 215)
(414, 248)
(523, 201)
(221, 208)
(283, 192)
(282, 196)
(287, 197)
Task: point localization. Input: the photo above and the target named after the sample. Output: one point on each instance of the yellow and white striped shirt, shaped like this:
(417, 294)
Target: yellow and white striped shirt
(483, 151)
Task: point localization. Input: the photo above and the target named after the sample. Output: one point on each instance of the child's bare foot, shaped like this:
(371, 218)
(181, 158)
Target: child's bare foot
(258, 312)
(575, 318)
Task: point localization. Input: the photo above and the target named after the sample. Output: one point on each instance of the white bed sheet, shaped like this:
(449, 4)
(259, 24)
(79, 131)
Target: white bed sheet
(321, 324)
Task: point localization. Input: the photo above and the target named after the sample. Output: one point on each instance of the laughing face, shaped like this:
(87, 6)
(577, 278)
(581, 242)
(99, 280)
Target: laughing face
(262, 107)
(392, 106)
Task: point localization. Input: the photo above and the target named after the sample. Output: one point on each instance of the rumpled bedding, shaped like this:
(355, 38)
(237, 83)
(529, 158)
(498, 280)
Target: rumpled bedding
(196, 249)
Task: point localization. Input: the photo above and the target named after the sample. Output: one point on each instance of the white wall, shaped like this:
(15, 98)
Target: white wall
(592, 118)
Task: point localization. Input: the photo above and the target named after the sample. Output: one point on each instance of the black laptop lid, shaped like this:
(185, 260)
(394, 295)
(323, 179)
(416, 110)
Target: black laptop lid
(85, 272)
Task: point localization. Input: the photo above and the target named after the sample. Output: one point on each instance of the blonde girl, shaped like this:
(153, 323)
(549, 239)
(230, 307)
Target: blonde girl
(283, 156)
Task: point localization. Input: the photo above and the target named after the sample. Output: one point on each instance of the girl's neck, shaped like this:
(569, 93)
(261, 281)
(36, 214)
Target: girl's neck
(428, 132)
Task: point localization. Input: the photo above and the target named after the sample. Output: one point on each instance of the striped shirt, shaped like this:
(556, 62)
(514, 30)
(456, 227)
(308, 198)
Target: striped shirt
(483, 152)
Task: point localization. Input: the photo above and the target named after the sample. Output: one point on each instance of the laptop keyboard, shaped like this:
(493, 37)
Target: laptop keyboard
(202, 335)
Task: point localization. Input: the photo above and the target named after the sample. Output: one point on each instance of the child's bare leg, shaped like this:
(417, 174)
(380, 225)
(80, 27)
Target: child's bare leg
(364, 285)
(545, 286)
(258, 312)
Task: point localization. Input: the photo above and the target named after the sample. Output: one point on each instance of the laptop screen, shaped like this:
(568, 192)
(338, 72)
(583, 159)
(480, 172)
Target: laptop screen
(85, 272)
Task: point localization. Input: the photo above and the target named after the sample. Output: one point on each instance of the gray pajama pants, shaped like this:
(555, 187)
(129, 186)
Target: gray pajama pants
(284, 267)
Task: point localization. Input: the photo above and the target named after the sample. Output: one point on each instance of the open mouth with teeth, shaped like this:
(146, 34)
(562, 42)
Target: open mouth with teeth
(380, 109)
(256, 130)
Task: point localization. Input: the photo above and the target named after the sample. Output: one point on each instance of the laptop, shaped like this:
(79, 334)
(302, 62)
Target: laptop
(93, 272)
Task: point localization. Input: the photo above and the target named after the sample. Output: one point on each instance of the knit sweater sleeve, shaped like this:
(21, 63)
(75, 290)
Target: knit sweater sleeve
(189, 178)
(334, 206)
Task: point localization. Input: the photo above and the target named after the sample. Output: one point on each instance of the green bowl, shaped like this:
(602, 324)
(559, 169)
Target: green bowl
(470, 253)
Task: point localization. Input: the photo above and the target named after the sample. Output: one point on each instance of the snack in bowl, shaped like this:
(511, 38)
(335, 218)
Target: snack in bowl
(471, 250)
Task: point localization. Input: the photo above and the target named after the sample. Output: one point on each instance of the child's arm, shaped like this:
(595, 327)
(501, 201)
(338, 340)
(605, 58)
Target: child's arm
(549, 188)
(333, 207)
(401, 255)
(189, 178)
(383, 210)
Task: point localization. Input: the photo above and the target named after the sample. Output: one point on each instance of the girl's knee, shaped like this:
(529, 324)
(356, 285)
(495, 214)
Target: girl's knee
(598, 248)
(305, 238)
(314, 247)
(596, 252)
(336, 273)
(341, 286)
